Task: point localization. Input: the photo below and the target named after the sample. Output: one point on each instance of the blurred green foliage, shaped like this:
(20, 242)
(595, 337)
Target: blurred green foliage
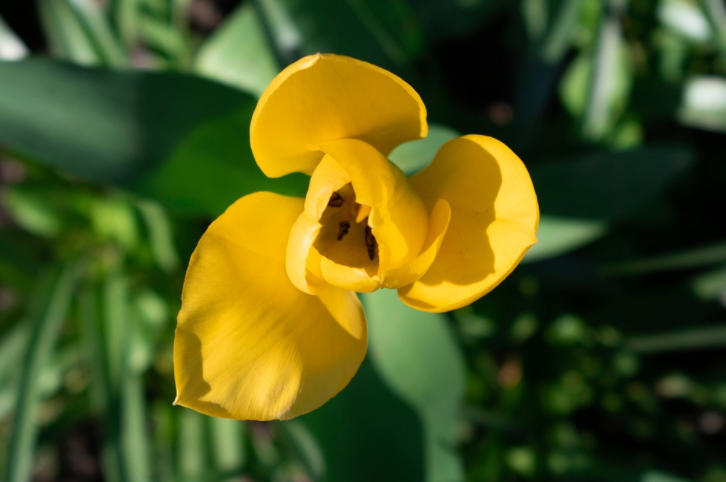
(124, 131)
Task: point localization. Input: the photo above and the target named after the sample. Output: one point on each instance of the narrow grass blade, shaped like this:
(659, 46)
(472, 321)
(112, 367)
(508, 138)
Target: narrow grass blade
(52, 301)
(66, 36)
(95, 22)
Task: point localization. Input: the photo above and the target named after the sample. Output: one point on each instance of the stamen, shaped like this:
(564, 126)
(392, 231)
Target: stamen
(371, 243)
(343, 229)
(336, 200)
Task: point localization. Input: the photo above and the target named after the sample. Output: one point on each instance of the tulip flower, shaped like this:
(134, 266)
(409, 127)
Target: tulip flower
(271, 326)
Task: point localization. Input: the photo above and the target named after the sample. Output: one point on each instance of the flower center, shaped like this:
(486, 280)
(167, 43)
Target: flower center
(345, 236)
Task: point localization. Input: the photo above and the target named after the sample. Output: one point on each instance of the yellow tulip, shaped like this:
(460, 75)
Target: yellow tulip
(270, 325)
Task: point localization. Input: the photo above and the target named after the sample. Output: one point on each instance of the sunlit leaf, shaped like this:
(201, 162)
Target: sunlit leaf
(704, 103)
(686, 18)
(413, 156)
(11, 47)
(238, 53)
(558, 235)
(418, 358)
(94, 21)
(228, 442)
(67, 38)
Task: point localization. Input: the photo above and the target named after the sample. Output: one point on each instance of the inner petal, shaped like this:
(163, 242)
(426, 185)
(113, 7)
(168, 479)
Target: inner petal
(345, 237)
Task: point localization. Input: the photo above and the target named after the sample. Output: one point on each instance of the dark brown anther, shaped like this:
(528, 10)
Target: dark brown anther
(343, 229)
(336, 200)
(371, 243)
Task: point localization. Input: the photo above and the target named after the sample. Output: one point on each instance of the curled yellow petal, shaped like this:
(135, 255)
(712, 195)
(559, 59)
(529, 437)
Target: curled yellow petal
(325, 97)
(415, 269)
(398, 217)
(494, 217)
(250, 345)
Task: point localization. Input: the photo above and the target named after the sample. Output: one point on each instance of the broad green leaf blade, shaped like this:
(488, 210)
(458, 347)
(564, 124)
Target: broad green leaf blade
(238, 53)
(608, 185)
(52, 302)
(181, 139)
(578, 198)
(388, 445)
(417, 356)
(704, 103)
(413, 156)
(11, 47)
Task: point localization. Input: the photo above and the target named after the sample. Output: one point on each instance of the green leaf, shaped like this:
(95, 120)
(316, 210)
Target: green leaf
(710, 285)
(33, 209)
(558, 235)
(686, 259)
(704, 103)
(160, 236)
(416, 355)
(368, 433)
(192, 460)
(610, 77)
(306, 446)
(181, 139)
(690, 339)
(67, 39)
(579, 198)
(11, 47)
(386, 34)
(228, 446)
(686, 18)
(238, 53)
(93, 19)
(609, 185)
(413, 156)
(51, 305)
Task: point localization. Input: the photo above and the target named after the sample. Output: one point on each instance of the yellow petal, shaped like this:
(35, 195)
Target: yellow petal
(398, 217)
(250, 345)
(494, 217)
(302, 260)
(410, 272)
(321, 98)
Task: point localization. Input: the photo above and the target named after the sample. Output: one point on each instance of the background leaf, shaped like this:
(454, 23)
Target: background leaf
(238, 53)
(182, 139)
(417, 356)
